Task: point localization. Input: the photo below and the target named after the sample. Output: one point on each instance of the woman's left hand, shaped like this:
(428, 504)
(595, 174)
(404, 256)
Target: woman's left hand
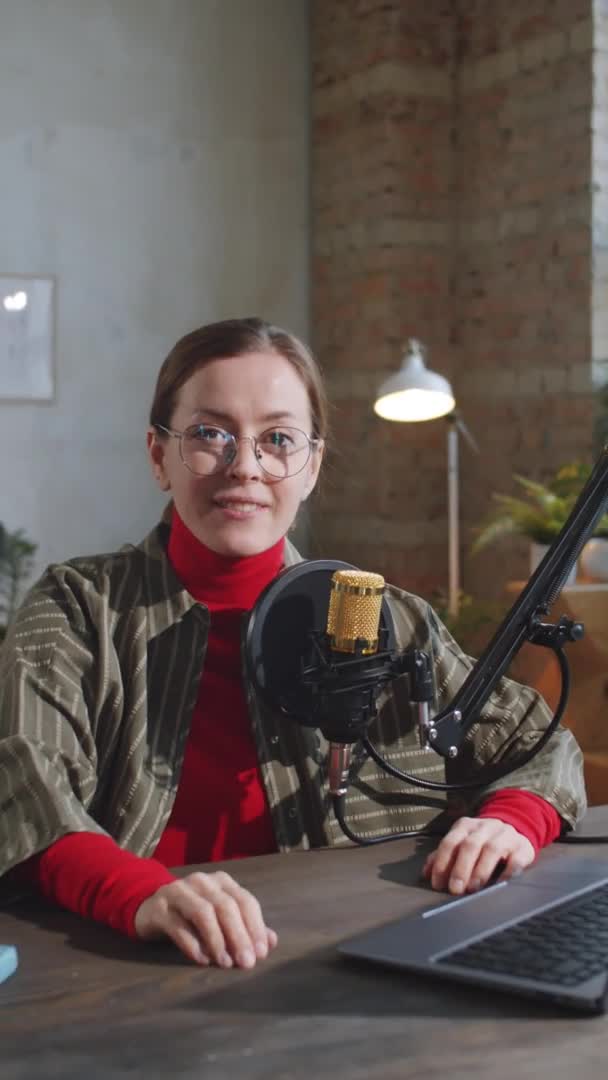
(470, 852)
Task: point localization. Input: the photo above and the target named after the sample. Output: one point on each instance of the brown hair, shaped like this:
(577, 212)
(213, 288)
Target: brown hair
(236, 337)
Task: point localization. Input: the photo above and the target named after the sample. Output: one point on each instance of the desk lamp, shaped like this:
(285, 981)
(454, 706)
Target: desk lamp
(415, 394)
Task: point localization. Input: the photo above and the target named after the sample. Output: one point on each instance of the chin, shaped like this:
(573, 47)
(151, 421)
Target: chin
(239, 547)
(236, 551)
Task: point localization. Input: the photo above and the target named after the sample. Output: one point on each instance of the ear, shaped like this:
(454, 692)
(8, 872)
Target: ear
(314, 468)
(156, 456)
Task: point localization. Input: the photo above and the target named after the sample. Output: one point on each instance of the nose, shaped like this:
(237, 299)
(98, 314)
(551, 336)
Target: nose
(243, 457)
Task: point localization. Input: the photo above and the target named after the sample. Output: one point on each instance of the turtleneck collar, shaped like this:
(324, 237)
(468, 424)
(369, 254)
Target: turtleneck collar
(220, 581)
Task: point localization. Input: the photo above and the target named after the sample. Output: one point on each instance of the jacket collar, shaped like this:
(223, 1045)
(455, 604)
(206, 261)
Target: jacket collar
(163, 594)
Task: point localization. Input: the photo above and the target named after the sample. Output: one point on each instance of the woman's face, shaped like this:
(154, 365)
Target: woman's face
(239, 510)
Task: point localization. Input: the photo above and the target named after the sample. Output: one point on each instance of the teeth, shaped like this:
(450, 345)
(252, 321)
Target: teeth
(243, 507)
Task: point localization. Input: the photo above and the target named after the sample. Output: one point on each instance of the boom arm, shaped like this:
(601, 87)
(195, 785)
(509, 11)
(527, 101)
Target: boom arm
(447, 730)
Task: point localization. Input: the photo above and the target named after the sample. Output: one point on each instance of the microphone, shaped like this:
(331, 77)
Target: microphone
(353, 627)
(353, 616)
(320, 645)
(330, 678)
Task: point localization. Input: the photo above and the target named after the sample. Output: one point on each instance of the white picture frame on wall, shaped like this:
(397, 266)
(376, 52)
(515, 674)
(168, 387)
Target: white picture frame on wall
(27, 335)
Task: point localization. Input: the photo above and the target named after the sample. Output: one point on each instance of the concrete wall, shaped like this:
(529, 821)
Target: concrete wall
(154, 159)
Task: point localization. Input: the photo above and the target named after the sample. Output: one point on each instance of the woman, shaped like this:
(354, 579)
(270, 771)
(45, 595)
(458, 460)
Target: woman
(129, 740)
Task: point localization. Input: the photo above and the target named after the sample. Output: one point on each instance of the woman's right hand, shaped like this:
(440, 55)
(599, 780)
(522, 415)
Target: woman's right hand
(210, 917)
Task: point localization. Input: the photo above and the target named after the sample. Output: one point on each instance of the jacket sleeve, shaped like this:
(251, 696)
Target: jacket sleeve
(48, 756)
(510, 723)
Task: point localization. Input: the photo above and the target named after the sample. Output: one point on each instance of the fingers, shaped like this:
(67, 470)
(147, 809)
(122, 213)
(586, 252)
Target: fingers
(159, 917)
(187, 941)
(443, 869)
(229, 921)
(472, 850)
(251, 916)
(518, 861)
(215, 919)
(210, 918)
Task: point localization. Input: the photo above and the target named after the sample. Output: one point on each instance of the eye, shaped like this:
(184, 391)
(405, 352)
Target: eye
(205, 433)
(278, 439)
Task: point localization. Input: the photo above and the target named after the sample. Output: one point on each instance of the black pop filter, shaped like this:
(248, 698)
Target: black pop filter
(280, 629)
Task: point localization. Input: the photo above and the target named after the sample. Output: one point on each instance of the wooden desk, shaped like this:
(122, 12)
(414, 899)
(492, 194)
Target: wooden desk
(87, 1003)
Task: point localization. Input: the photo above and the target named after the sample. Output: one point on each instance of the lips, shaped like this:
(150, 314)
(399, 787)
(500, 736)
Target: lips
(243, 506)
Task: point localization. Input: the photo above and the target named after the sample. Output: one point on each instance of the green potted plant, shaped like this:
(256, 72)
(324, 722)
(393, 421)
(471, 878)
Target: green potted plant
(541, 510)
(16, 562)
(539, 513)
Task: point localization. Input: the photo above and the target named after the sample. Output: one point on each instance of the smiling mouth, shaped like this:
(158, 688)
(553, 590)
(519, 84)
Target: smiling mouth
(240, 507)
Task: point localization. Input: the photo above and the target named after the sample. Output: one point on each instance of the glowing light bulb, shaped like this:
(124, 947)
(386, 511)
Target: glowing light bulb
(15, 302)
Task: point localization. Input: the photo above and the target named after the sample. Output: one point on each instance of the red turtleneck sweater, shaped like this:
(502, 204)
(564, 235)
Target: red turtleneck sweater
(220, 810)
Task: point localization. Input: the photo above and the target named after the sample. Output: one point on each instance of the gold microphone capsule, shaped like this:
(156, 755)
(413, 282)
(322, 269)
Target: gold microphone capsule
(355, 603)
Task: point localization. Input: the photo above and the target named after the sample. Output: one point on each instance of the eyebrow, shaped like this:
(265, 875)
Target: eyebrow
(226, 418)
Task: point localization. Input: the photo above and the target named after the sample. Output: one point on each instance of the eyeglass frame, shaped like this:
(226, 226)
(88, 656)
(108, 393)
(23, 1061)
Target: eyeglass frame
(313, 444)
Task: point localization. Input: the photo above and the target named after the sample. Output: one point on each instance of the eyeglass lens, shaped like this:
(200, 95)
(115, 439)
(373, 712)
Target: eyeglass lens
(280, 451)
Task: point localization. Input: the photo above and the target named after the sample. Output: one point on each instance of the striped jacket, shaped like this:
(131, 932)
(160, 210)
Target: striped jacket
(99, 675)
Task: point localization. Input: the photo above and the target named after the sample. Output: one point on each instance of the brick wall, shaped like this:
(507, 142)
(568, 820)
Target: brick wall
(451, 201)
(600, 192)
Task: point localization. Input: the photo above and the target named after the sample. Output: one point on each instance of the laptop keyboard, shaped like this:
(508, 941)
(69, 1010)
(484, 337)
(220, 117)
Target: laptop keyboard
(566, 944)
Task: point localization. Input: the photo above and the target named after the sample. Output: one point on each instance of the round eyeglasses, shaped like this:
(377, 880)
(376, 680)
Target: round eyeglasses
(280, 451)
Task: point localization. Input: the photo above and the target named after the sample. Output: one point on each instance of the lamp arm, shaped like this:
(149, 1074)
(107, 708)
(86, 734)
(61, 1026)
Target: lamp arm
(523, 621)
(453, 521)
(456, 419)
(456, 427)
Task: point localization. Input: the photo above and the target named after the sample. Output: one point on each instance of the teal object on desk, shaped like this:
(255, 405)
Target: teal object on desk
(8, 961)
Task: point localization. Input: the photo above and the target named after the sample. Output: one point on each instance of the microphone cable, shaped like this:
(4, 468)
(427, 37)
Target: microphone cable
(491, 773)
(490, 776)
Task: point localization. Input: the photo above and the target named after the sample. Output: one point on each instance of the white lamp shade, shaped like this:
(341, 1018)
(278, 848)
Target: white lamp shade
(414, 393)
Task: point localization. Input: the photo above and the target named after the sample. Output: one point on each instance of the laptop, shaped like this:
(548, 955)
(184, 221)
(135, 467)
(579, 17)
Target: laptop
(543, 934)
